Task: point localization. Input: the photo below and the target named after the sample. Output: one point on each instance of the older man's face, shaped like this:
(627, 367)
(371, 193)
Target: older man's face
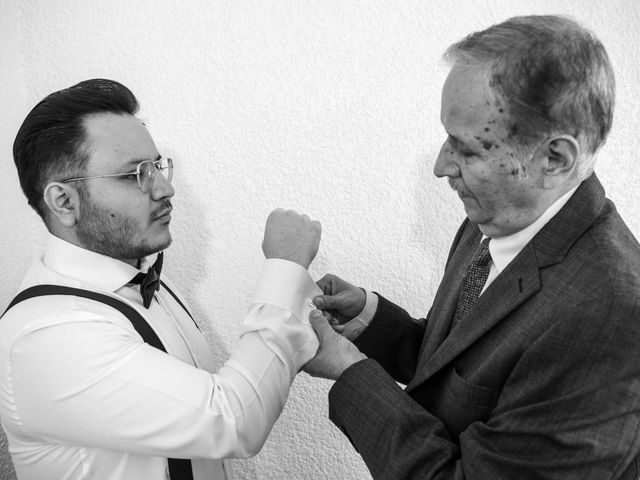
(481, 166)
(116, 218)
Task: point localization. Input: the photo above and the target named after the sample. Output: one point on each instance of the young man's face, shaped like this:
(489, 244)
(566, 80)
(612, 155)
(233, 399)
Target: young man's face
(481, 165)
(116, 218)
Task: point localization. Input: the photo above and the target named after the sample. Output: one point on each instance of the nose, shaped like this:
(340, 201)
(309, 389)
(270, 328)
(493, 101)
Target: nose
(161, 188)
(446, 164)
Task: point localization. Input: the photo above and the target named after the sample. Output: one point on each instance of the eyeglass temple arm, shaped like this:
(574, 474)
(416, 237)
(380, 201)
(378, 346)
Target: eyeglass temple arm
(100, 176)
(136, 172)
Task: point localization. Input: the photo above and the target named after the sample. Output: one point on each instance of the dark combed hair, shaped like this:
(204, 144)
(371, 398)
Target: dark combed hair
(50, 144)
(554, 75)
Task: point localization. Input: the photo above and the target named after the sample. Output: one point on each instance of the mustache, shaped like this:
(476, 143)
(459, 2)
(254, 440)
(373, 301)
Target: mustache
(460, 189)
(163, 209)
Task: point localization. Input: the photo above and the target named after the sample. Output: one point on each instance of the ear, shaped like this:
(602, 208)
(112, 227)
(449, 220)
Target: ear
(62, 200)
(559, 155)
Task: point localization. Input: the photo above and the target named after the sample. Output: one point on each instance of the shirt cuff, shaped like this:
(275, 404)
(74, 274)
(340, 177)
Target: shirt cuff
(287, 285)
(369, 310)
(280, 312)
(354, 327)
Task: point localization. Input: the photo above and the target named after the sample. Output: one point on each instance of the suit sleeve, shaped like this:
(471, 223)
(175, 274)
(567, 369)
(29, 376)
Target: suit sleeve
(393, 339)
(568, 410)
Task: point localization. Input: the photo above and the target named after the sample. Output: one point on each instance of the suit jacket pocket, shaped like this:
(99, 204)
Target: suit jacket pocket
(468, 392)
(462, 403)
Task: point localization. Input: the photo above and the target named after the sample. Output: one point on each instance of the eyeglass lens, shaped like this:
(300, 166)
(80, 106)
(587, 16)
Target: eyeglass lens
(147, 172)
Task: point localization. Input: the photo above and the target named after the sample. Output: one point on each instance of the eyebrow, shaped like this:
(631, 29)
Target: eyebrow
(135, 161)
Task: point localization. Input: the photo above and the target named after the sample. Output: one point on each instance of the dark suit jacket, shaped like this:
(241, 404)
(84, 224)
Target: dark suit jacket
(541, 380)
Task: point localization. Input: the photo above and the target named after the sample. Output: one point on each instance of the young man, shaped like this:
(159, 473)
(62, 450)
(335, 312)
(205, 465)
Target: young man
(82, 395)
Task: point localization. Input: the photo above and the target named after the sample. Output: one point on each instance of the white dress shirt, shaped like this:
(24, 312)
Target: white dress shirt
(503, 250)
(83, 397)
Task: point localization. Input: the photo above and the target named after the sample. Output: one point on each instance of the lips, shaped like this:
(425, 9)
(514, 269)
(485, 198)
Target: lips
(163, 212)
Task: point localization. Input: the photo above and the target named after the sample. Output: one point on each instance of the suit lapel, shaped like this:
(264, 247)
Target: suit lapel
(519, 281)
(515, 284)
(446, 298)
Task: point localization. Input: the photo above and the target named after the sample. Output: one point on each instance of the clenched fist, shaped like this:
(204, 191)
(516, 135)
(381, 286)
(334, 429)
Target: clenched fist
(291, 236)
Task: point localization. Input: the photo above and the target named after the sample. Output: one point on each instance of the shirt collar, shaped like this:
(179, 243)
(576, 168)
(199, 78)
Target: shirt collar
(104, 272)
(504, 249)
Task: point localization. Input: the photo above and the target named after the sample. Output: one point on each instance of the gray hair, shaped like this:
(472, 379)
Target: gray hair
(554, 75)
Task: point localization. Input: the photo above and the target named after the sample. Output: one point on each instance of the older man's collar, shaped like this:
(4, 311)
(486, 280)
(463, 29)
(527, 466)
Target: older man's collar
(505, 249)
(582, 209)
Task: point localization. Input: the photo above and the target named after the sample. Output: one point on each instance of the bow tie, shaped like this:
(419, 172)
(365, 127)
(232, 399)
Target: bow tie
(150, 281)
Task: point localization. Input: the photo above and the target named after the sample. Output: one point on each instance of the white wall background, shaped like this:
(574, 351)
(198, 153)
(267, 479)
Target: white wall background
(327, 107)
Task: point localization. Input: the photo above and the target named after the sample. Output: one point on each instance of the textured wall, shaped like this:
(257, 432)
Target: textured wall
(328, 107)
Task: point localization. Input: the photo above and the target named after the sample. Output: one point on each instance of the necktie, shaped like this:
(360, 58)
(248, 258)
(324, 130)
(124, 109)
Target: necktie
(150, 281)
(473, 281)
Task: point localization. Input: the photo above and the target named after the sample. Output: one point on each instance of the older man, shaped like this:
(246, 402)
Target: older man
(528, 362)
(103, 372)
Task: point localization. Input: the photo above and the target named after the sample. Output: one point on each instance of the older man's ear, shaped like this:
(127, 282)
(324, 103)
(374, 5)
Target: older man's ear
(559, 160)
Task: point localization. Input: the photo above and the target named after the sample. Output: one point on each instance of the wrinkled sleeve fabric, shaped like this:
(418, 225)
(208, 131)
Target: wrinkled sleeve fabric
(88, 379)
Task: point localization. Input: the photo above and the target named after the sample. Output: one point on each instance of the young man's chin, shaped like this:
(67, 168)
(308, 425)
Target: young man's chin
(154, 245)
(162, 239)
(164, 244)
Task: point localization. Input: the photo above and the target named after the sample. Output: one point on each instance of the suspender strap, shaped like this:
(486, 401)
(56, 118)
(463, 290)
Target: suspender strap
(137, 320)
(164, 285)
(179, 468)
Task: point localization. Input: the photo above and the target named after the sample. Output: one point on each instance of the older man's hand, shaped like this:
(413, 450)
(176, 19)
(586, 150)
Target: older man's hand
(335, 354)
(291, 236)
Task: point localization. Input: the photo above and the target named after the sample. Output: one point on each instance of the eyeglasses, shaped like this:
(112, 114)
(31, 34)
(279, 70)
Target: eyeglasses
(145, 173)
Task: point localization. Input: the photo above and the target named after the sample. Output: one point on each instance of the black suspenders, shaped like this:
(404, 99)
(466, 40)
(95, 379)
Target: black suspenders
(179, 468)
(175, 297)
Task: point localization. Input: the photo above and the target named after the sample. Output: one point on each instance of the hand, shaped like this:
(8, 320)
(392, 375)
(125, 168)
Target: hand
(291, 236)
(341, 300)
(335, 354)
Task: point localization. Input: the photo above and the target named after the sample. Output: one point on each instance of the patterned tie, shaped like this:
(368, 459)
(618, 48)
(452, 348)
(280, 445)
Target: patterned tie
(473, 281)
(149, 282)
